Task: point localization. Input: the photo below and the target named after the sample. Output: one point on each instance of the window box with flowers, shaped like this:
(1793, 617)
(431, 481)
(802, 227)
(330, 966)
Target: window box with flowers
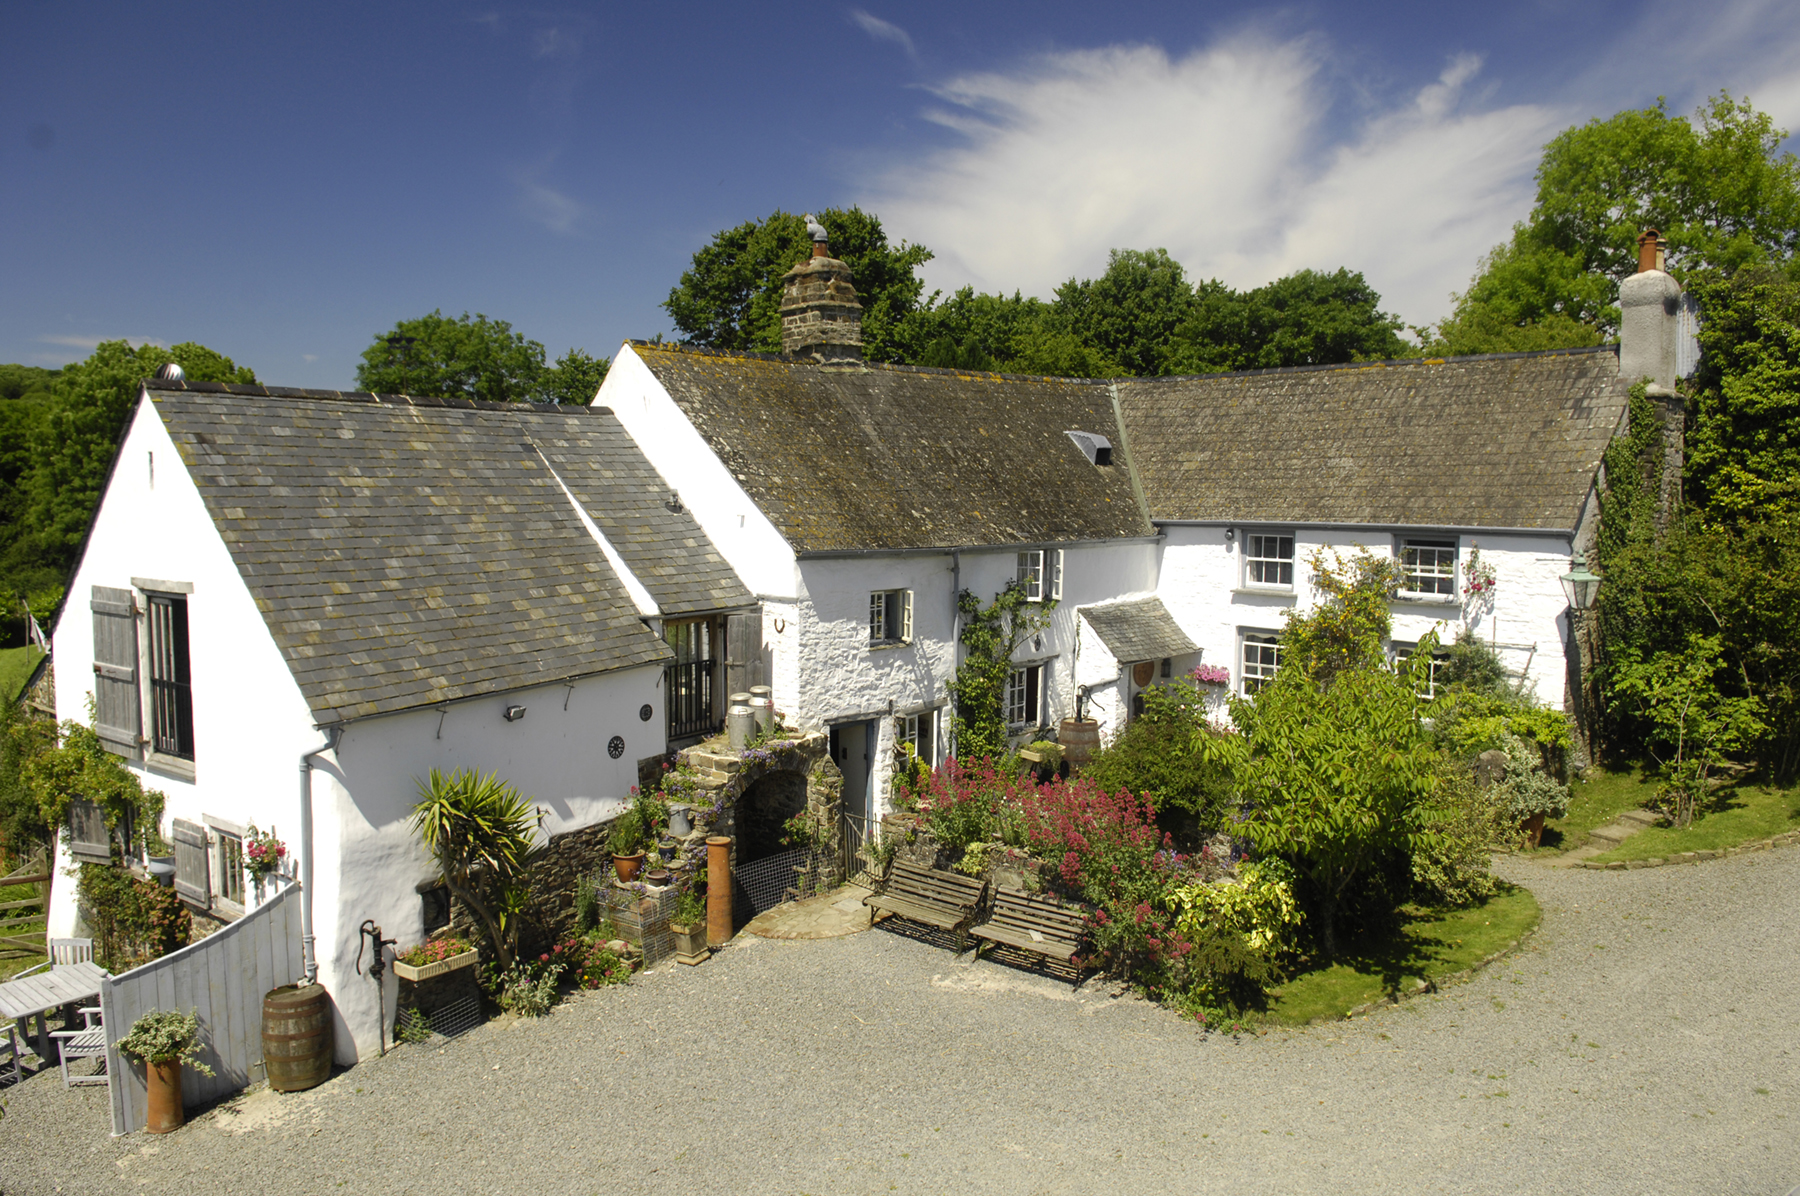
(1211, 674)
(435, 958)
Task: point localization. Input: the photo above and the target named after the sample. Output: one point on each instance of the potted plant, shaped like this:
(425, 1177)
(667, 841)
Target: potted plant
(627, 844)
(667, 847)
(164, 1039)
(658, 878)
(435, 958)
(263, 855)
(688, 925)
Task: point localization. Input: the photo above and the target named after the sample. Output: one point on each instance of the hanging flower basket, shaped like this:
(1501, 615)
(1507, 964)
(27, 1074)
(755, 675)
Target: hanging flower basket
(1212, 674)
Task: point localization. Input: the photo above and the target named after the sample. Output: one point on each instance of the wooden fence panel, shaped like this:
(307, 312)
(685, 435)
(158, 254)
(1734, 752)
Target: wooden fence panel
(223, 977)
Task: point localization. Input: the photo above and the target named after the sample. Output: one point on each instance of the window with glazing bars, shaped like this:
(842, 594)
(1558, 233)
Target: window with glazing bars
(1021, 703)
(688, 679)
(1429, 567)
(916, 729)
(1268, 560)
(1262, 660)
(171, 687)
(229, 852)
(890, 617)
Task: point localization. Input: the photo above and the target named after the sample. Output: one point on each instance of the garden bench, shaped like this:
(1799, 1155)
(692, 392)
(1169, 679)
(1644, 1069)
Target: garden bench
(1032, 923)
(945, 900)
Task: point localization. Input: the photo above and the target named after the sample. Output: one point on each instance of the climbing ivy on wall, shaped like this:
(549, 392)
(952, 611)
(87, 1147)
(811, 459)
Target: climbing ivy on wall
(990, 636)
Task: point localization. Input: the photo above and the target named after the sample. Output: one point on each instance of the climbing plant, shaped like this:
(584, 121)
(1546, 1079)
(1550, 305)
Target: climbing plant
(990, 636)
(79, 766)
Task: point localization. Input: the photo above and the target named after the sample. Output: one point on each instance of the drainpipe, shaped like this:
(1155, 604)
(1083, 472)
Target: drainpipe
(955, 629)
(309, 956)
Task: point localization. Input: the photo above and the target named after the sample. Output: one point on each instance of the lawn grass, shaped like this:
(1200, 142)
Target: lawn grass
(1740, 814)
(1596, 802)
(1430, 944)
(15, 669)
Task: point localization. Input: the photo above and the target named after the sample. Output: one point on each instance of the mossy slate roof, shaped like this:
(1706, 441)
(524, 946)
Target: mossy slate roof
(406, 552)
(1138, 629)
(896, 457)
(1509, 440)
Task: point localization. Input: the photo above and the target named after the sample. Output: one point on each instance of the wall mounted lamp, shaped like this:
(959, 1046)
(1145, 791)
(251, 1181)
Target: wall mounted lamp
(513, 714)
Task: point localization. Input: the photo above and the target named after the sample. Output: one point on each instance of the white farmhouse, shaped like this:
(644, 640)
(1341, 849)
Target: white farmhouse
(294, 604)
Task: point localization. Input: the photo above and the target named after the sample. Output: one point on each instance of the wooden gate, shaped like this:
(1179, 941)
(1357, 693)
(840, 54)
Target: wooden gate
(24, 919)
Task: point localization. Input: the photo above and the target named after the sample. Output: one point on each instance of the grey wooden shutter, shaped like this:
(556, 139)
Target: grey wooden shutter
(193, 863)
(118, 712)
(88, 839)
(743, 652)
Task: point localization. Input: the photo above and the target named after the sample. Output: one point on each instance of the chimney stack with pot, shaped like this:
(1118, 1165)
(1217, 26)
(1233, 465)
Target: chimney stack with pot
(1649, 321)
(821, 318)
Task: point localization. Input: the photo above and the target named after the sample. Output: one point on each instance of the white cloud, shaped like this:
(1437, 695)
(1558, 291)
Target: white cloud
(1221, 158)
(884, 31)
(549, 207)
(90, 343)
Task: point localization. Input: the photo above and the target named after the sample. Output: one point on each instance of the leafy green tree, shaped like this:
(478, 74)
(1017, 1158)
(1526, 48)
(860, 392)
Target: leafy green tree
(730, 298)
(474, 358)
(1743, 435)
(1717, 188)
(1307, 318)
(480, 832)
(1695, 724)
(1131, 312)
(73, 446)
(990, 636)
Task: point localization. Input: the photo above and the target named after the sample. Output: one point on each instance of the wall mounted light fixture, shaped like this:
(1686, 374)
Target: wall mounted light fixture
(513, 714)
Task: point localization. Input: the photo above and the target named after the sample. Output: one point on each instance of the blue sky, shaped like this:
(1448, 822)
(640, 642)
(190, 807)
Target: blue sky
(281, 183)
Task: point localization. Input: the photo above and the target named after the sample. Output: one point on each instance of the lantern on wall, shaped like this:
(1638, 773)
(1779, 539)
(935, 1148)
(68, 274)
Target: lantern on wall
(1579, 585)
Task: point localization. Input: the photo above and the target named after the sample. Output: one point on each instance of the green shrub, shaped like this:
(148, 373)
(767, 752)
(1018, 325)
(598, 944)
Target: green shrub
(166, 1036)
(1453, 867)
(1159, 756)
(1527, 790)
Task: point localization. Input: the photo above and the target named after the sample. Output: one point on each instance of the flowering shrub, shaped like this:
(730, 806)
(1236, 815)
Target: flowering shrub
(263, 853)
(589, 960)
(1211, 674)
(435, 951)
(527, 989)
(1478, 575)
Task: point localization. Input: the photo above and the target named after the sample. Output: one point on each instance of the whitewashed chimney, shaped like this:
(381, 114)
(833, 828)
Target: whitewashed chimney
(1649, 318)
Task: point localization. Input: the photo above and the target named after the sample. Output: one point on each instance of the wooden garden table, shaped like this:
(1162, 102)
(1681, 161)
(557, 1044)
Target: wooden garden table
(35, 996)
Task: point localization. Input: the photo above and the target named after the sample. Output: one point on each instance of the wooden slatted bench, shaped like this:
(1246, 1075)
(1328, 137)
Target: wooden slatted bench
(1032, 923)
(946, 900)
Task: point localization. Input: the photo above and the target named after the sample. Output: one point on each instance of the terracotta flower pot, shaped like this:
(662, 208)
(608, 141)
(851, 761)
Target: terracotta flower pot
(627, 866)
(163, 1082)
(1534, 830)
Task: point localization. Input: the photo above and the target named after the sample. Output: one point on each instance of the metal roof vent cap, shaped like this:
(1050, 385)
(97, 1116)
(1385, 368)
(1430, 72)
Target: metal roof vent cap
(170, 373)
(1095, 447)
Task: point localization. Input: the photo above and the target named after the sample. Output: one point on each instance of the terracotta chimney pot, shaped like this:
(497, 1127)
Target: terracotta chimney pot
(1649, 253)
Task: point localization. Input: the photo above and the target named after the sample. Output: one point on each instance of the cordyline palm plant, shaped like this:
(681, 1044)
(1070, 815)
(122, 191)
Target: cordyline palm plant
(473, 825)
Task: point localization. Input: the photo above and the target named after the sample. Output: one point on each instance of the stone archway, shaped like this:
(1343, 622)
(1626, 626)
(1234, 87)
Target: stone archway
(757, 790)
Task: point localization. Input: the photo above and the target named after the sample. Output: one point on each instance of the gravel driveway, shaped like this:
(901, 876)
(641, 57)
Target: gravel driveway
(1642, 1042)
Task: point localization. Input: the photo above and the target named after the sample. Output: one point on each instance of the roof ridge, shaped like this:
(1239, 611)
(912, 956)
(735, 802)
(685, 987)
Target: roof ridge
(362, 396)
(786, 359)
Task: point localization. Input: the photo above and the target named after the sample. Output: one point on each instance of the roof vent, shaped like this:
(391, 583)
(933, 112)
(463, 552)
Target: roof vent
(170, 373)
(1095, 447)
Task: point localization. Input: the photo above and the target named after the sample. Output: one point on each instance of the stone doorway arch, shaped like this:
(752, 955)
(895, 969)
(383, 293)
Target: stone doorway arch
(749, 791)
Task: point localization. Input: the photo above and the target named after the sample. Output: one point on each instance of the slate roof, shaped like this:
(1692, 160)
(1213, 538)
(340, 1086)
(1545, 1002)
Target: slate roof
(1510, 440)
(1138, 629)
(406, 552)
(895, 457)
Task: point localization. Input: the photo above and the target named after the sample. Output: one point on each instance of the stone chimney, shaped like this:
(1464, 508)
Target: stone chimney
(821, 318)
(1649, 320)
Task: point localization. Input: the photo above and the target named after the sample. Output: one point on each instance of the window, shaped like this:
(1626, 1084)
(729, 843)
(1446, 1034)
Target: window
(171, 690)
(1262, 660)
(688, 679)
(1403, 654)
(890, 617)
(1429, 568)
(1023, 688)
(1269, 560)
(918, 730)
(228, 854)
(1031, 573)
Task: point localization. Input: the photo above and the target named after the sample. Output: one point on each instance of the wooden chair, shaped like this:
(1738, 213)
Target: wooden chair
(63, 952)
(87, 1043)
(9, 1052)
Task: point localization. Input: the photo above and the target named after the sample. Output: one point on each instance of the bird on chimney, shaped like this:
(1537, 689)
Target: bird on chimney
(815, 228)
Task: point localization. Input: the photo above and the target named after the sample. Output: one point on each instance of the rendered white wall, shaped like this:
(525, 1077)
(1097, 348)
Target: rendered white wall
(743, 535)
(1526, 620)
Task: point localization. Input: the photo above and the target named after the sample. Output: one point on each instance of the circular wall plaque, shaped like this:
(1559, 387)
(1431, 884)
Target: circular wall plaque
(644, 712)
(615, 747)
(1143, 672)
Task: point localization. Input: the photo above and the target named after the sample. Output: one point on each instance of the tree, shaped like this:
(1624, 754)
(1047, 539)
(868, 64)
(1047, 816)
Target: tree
(1695, 725)
(1306, 318)
(730, 298)
(1717, 189)
(1131, 312)
(73, 445)
(474, 358)
(1743, 436)
(479, 831)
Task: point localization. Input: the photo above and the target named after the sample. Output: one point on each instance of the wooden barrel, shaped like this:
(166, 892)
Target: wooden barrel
(1080, 739)
(297, 1037)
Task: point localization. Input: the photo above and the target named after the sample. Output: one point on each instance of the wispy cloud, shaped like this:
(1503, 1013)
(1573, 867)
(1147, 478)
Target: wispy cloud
(556, 211)
(884, 31)
(1220, 157)
(89, 343)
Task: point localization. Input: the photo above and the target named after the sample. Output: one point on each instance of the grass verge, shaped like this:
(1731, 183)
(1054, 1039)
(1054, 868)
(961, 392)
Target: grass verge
(1740, 814)
(15, 669)
(1429, 944)
(1594, 803)
(12, 962)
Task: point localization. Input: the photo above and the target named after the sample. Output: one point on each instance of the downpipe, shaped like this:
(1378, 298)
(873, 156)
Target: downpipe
(309, 955)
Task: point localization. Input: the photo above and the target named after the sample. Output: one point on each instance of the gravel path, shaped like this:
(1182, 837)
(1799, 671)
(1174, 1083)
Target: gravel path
(1640, 1043)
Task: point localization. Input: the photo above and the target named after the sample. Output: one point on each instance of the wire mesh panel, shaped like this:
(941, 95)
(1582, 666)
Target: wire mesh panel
(641, 915)
(788, 876)
(450, 1019)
